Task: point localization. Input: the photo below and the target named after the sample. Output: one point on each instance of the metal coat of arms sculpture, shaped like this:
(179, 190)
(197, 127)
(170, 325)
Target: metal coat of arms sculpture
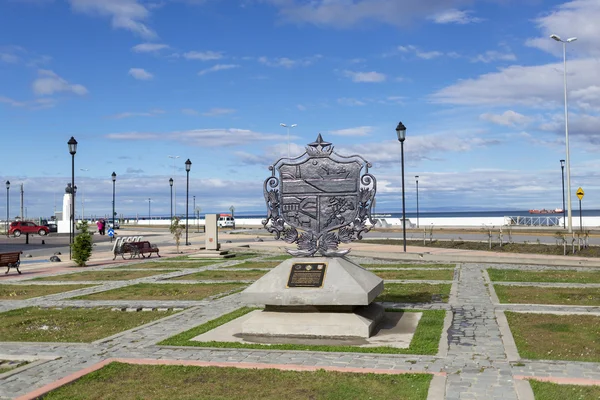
(319, 200)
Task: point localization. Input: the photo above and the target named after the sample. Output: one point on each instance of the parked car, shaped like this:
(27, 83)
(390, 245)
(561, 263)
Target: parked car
(19, 227)
(225, 220)
(51, 224)
(109, 224)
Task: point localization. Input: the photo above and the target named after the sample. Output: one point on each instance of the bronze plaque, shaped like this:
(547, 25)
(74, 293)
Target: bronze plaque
(307, 275)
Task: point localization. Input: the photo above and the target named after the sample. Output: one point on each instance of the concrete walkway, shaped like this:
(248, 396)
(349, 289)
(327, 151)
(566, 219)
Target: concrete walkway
(477, 358)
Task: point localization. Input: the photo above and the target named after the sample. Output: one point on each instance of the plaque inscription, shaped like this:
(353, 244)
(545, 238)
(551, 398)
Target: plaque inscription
(307, 275)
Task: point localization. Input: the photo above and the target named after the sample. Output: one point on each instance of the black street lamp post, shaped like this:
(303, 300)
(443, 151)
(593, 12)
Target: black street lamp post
(232, 209)
(417, 179)
(149, 214)
(114, 179)
(188, 166)
(171, 184)
(72, 150)
(562, 167)
(401, 132)
(7, 205)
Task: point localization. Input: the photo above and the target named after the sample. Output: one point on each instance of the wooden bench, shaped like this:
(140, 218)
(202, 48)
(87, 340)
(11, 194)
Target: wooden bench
(144, 248)
(11, 260)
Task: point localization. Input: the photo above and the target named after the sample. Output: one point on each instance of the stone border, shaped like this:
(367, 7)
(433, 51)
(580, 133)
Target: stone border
(284, 367)
(34, 362)
(510, 347)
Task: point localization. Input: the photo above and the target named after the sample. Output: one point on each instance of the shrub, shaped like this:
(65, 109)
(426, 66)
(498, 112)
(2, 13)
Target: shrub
(177, 230)
(82, 245)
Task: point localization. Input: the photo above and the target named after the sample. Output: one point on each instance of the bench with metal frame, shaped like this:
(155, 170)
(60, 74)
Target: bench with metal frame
(122, 246)
(11, 260)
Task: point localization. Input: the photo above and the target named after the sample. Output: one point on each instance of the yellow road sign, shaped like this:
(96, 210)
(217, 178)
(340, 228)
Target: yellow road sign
(580, 193)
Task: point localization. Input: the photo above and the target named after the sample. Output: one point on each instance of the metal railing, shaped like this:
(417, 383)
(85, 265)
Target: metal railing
(534, 221)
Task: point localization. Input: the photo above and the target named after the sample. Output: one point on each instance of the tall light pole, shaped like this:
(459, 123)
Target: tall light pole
(232, 209)
(149, 214)
(174, 158)
(568, 162)
(72, 150)
(562, 168)
(114, 179)
(7, 205)
(401, 133)
(417, 179)
(288, 127)
(188, 166)
(171, 184)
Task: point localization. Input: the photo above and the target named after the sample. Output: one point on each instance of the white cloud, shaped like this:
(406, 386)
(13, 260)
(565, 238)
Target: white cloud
(203, 137)
(493, 55)
(37, 104)
(426, 55)
(508, 118)
(301, 107)
(350, 101)
(454, 16)
(536, 86)
(358, 131)
(48, 83)
(124, 14)
(189, 111)
(140, 74)
(149, 47)
(577, 18)
(150, 113)
(11, 102)
(9, 58)
(215, 112)
(285, 62)
(218, 67)
(203, 55)
(372, 76)
(347, 13)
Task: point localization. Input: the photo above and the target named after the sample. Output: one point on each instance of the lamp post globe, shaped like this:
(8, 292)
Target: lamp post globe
(188, 167)
(401, 133)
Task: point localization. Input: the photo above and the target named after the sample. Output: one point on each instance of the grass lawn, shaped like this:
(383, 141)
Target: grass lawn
(169, 264)
(223, 275)
(553, 391)
(540, 295)
(100, 276)
(414, 292)
(562, 276)
(281, 257)
(82, 325)
(376, 266)
(20, 292)
(527, 248)
(169, 291)
(124, 381)
(425, 341)
(438, 275)
(556, 337)
(255, 264)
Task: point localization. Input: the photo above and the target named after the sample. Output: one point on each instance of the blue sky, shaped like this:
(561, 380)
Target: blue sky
(479, 85)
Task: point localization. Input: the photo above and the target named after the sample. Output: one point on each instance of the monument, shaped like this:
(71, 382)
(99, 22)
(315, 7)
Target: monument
(317, 201)
(63, 225)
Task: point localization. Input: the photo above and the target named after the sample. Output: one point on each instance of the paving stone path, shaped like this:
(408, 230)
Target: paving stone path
(477, 358)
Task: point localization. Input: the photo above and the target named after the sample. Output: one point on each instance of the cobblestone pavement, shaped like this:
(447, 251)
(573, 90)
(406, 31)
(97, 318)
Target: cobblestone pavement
(477, 357)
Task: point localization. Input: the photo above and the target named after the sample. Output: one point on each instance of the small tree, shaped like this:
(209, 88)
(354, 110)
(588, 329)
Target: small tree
(177, 230)
(82, 245)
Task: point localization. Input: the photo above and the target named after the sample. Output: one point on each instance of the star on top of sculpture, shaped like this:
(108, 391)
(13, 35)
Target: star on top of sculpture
(319, 148)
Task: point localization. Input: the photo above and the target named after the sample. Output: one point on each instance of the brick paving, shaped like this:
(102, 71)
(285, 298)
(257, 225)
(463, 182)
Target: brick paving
(477, 358)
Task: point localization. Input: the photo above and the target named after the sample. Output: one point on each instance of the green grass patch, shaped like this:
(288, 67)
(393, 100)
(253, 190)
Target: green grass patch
(169, 264)
(251, 274)
(425, 340)
(100, 276)
(556, 337)
(281, 257)
(167, 291)
(559, 276)
(125, 381)
(414, 293)
(554, 391)
(255, 264)
(416, 265)
(541, 295)
(20, 292)
(446, 274)
(82, 325)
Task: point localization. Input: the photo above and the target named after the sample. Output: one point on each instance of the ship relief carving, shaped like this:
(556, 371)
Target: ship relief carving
(319, 200)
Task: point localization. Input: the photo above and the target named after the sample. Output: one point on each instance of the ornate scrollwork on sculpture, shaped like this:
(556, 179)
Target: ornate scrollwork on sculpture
(319, 200)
